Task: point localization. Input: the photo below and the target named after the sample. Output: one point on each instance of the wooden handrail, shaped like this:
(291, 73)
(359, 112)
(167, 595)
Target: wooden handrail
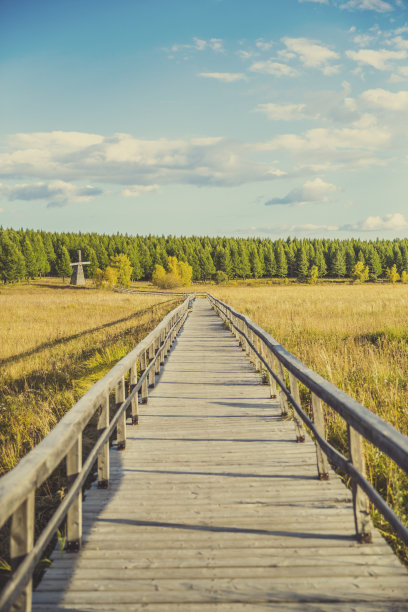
(17, 487)
(360, 420)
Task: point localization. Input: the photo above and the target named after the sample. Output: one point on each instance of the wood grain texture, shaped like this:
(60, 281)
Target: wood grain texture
(213, 506)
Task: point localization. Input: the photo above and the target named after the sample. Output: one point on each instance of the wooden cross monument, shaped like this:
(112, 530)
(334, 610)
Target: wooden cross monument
(78, 277)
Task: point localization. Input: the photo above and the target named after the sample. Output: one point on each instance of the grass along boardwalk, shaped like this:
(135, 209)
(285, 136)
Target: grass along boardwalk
(213, 505)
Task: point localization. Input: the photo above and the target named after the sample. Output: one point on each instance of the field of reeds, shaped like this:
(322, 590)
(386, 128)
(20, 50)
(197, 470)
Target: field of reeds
(56, 342)
(355, 336)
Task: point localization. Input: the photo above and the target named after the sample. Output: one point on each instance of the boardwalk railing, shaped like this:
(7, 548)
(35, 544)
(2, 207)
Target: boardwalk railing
(263, 349)
(18, 487)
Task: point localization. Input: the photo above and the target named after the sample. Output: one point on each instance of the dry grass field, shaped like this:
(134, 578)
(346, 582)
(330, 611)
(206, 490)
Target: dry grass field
(356, 336)
(56, 341)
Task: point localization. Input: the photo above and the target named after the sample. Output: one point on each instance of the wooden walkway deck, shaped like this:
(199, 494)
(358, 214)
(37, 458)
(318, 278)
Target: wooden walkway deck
(214, 506)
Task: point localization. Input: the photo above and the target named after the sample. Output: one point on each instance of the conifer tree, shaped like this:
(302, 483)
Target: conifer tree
(374, 264)
(30, 259)
(320, 262)
(63, 263)
(338, 269)
(302, 263)
(269, 259)
(281, 263)
(254, 262)
(12, 264)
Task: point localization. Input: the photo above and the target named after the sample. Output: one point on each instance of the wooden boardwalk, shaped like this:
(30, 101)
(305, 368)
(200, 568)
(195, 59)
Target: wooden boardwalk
(214, 506)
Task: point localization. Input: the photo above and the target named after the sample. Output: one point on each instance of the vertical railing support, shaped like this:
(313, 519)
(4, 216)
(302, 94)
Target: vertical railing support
(162, 342)
(134, 403)
(318, 419)
(21, 543)
(103, 457)
(151, 371)
(121, 426)
(74, 516)
(294, 389)
(282, 395)
(272, 382)
(143, 366)
(257, 344)
(361, 502)
(157, 344)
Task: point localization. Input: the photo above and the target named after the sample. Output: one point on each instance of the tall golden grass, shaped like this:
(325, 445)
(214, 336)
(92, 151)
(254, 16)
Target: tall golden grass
(56, 341)
(355, 336)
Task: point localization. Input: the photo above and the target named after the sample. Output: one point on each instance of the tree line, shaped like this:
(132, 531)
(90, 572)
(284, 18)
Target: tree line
(27, 254)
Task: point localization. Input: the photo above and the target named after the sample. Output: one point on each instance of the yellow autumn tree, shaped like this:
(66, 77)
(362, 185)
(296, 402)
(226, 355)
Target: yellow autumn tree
(178, 274)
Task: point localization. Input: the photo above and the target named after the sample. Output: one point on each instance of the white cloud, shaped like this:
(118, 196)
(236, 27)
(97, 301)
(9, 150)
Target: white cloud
(312, 192)
(317, 1)
(264, 45)
(282, 112)
(379, 59)
(312, 54)
(246, 55)
(353, 145)
(225, 77)
(124, 160)
(135, 191)
(381, 98)
(362, 40)
(392, 221)
(399, 42)
(199, 44)
(369, 5)
(57, 193)
(273, 67)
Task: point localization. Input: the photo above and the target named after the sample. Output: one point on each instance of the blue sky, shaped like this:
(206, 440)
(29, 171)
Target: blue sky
(219, 117)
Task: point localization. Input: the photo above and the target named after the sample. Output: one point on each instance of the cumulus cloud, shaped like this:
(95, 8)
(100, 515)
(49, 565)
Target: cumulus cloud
(313, 54)
(381, 98)
(264, 45)
(355, 145)
(282, 112)
(312, 192)
(225, 77)
(56, 193)
(199, 44)
(381, 59)
(124, 160)
(380, 6)
(392, 221)
(275, 68)
(135, 191)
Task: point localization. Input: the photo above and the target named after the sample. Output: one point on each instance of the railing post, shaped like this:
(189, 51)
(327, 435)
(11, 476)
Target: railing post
(318, 419)
(294, 389)
(162, 342)
(272, 381)
(361, 503)
(103, 457)
(257, 344)
(157, 344)
(21, 543)
(74, 516)
(121, 426)
(282, 395)
(134, 403)
(143, 366)
(151, 371)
